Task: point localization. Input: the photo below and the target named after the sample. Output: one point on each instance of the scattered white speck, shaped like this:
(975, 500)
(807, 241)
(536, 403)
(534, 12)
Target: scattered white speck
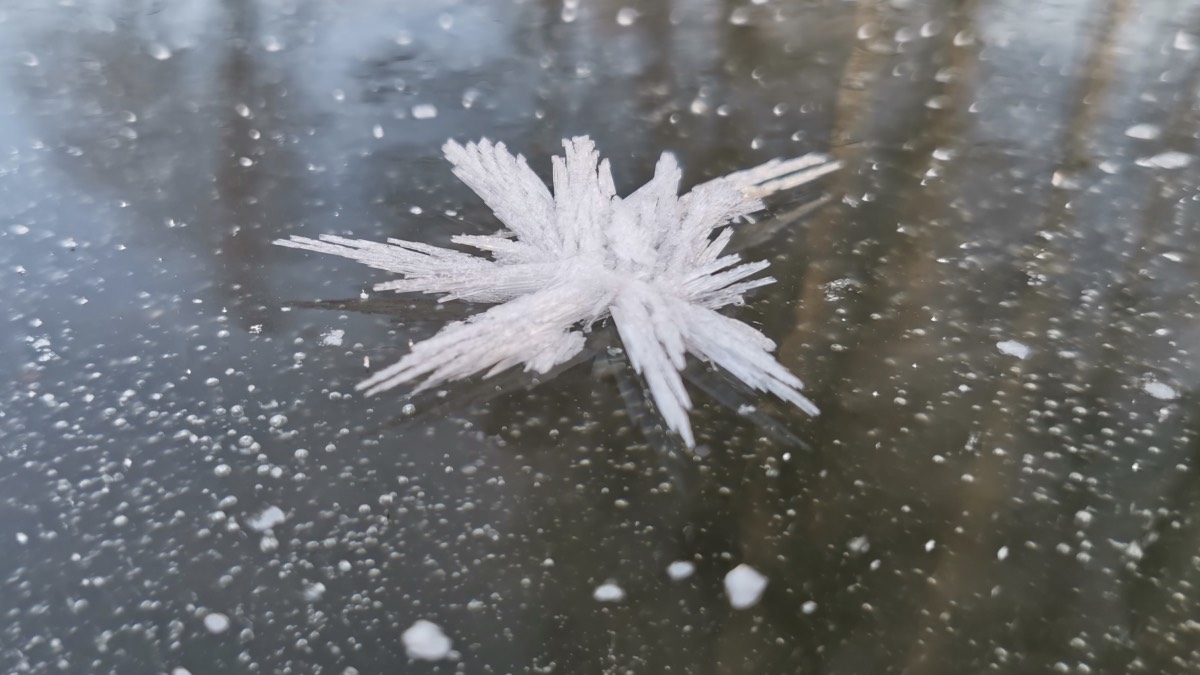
(222, 470)
(1160, 391)
(121, 520)
(808, 607)
(424, 111)
(314, 591)
(269, 518)
(608, 592)
(22, 538)
(858, 545)
(1002, 554)
(277, 421)
(425, 640)
(216, 623)
(160, 52)
(1083, 518)
(680, 569)
(333, 337)
(271, 43)
(1013, 348)
(1172, 159)
(180, 671)
(1146, 132)
(256, 329)
(626, 16)
(28, 59)
(1185, 42)
(929, 545)
(744, 585)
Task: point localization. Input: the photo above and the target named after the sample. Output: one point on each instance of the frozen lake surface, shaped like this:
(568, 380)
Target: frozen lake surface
(996, 307)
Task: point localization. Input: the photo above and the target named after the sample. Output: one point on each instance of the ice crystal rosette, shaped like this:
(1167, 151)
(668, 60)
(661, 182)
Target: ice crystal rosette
(652, 261)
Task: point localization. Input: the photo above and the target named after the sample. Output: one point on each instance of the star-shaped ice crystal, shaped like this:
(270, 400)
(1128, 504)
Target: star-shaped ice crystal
(651, 261)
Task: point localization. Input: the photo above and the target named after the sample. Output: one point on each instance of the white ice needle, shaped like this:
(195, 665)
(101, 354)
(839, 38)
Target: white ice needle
(651, 260)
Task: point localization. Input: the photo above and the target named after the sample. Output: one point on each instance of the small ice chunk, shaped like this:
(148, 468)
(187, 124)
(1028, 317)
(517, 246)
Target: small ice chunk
(1160, 391)
(859, 545)
(425, 640)
(424, 111)
(744, 585)
(609, 592)
(333, 337)
(216, 623)
(1013, 348)
(1145, 132)
(269, 518)
(1185, 42)
(808, 607)
(1171, 159)
(626, 16)
(680, 569)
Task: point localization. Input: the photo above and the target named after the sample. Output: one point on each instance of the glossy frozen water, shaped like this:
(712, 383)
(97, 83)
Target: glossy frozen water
(996, 311)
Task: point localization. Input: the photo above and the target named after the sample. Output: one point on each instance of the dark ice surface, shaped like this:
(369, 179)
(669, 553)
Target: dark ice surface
(997, 309)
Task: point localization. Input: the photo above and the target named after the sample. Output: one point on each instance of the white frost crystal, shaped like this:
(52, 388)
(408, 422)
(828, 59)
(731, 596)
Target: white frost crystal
(569, 259)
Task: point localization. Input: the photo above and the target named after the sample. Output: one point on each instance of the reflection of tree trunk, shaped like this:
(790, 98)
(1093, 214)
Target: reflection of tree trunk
(1168, 573)
(239, 187)
(982, 501)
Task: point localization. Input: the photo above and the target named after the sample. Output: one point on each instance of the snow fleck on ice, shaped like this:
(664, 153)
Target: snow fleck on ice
(216, 623)
(609, 592)
(680, 569)
(424, 111)
(1013, 348)
(859, 545)
(425, 640)
(744, 585)
(314, 591)
(333, 338)
(1160, 391)
(1146, 132)
(1171, 159)
(269, 518)
(652, 261)
(808, 607)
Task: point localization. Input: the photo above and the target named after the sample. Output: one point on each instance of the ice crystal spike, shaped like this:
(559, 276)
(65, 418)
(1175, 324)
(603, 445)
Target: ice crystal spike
(652, 261)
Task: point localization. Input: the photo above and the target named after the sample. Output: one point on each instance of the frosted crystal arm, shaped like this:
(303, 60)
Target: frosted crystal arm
(744, 353)
(510, 189)
(397, 256)
(535, 329)
(650, 334)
